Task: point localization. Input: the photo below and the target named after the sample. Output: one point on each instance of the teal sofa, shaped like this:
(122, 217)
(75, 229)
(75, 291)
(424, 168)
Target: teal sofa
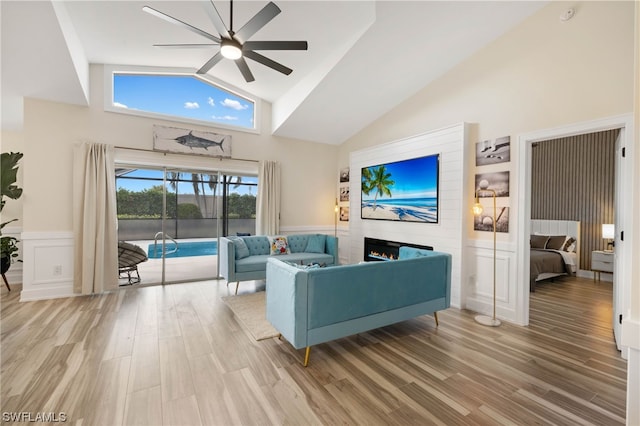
(309, 306)
(245, 258)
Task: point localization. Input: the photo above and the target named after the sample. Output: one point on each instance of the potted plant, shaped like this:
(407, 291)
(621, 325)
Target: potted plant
(8, 188)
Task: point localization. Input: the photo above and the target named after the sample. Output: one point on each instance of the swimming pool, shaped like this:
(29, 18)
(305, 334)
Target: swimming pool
(195, 248)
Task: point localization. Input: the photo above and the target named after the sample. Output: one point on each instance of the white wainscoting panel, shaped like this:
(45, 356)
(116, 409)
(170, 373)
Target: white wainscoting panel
(479, 289)
(449, 234)
(48, 265)
(344, 245)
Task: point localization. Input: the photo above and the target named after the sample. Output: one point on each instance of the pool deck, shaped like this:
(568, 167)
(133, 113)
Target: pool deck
(192, 268)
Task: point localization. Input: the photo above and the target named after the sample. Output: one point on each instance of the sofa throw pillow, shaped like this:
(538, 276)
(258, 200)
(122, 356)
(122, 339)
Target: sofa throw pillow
(242, 250)
(316, 243)
(539, 241)
(279, 245)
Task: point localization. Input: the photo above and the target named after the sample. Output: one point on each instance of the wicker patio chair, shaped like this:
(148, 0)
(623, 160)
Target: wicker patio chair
(129, 256)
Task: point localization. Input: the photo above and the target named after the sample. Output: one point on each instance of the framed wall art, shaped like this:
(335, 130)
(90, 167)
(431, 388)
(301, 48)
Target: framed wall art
(498, 181)
(493, 151)
(185, 141)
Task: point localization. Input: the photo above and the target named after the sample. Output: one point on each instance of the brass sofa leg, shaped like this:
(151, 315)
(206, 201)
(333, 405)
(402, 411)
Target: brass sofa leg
(306, 356)
(435, 316)
(237, 285)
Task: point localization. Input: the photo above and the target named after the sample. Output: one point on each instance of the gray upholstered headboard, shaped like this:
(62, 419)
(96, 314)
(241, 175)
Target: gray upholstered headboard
(558, 227)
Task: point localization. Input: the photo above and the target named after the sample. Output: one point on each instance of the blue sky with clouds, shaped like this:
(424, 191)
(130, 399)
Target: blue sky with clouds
(183, 96)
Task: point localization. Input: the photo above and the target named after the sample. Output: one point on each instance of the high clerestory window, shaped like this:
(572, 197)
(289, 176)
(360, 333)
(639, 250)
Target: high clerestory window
(180, 97)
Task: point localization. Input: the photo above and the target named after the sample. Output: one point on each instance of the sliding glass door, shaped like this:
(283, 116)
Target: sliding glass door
(177, 215)
(191, 231)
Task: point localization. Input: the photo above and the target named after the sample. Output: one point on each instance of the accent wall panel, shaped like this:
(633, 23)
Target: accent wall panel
(448, 234)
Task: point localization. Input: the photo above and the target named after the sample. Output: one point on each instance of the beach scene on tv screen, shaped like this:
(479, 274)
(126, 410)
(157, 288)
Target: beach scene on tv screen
(404, 190)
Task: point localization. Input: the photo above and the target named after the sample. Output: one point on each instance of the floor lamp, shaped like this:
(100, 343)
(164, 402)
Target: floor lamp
(477, 211)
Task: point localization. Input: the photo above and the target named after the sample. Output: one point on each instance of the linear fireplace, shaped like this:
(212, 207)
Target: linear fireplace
(377, 250)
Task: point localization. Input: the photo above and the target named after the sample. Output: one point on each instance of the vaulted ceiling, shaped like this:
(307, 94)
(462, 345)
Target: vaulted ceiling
(364, 57)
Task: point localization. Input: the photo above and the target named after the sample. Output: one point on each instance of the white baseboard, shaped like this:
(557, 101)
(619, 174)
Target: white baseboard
(51, 291)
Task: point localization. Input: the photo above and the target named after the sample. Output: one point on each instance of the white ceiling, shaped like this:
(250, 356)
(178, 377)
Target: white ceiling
(364, 57)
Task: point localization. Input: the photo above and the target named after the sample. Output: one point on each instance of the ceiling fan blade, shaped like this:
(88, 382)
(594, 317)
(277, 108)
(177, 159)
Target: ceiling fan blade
(275, 45)
(259, 20)
(268, 62)
(178, 22)
(210, 63)
(186, 45)
(244, 69)
(215, 17)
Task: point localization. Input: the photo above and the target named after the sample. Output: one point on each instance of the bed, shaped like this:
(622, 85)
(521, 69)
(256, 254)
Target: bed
(554, 250)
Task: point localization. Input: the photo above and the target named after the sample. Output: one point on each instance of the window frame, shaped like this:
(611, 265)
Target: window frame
(225, 183)
(110, 70)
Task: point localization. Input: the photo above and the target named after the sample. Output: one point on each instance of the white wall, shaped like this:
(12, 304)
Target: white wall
(544, 73)
(52, 129)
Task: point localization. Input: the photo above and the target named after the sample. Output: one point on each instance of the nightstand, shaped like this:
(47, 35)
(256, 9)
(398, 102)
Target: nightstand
(601, 261)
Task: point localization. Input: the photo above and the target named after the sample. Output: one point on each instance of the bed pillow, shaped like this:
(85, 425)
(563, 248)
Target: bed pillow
(279, 245)
(569, 245)
(555, 242)
(539, 241)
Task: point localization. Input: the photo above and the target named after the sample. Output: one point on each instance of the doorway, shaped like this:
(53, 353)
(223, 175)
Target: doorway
(623, 208)
(176, 216)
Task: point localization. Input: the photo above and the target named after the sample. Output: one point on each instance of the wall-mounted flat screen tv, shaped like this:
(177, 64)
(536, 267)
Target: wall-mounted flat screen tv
(404, 190)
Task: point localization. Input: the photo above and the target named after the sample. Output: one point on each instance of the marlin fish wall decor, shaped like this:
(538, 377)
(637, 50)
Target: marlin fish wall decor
(185, 141)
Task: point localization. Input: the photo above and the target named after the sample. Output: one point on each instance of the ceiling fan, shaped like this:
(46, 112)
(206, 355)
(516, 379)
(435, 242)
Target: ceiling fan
(234, 45)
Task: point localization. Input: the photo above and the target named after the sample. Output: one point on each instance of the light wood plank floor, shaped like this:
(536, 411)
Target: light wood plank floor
(175, 355)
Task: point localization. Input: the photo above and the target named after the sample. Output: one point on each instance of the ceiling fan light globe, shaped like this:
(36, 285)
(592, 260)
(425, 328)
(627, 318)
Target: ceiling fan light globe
(230, 49)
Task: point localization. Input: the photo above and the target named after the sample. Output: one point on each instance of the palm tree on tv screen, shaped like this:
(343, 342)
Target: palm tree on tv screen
(366, 180)
(379, 180)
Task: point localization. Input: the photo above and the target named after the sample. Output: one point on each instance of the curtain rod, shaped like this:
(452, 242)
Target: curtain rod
(184, 153)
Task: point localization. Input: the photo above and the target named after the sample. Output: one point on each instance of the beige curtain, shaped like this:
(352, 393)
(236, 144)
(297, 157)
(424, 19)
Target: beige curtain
(94, 219)
(268, 203)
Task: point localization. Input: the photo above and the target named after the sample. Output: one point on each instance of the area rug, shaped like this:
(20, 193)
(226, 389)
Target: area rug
(251, 311)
